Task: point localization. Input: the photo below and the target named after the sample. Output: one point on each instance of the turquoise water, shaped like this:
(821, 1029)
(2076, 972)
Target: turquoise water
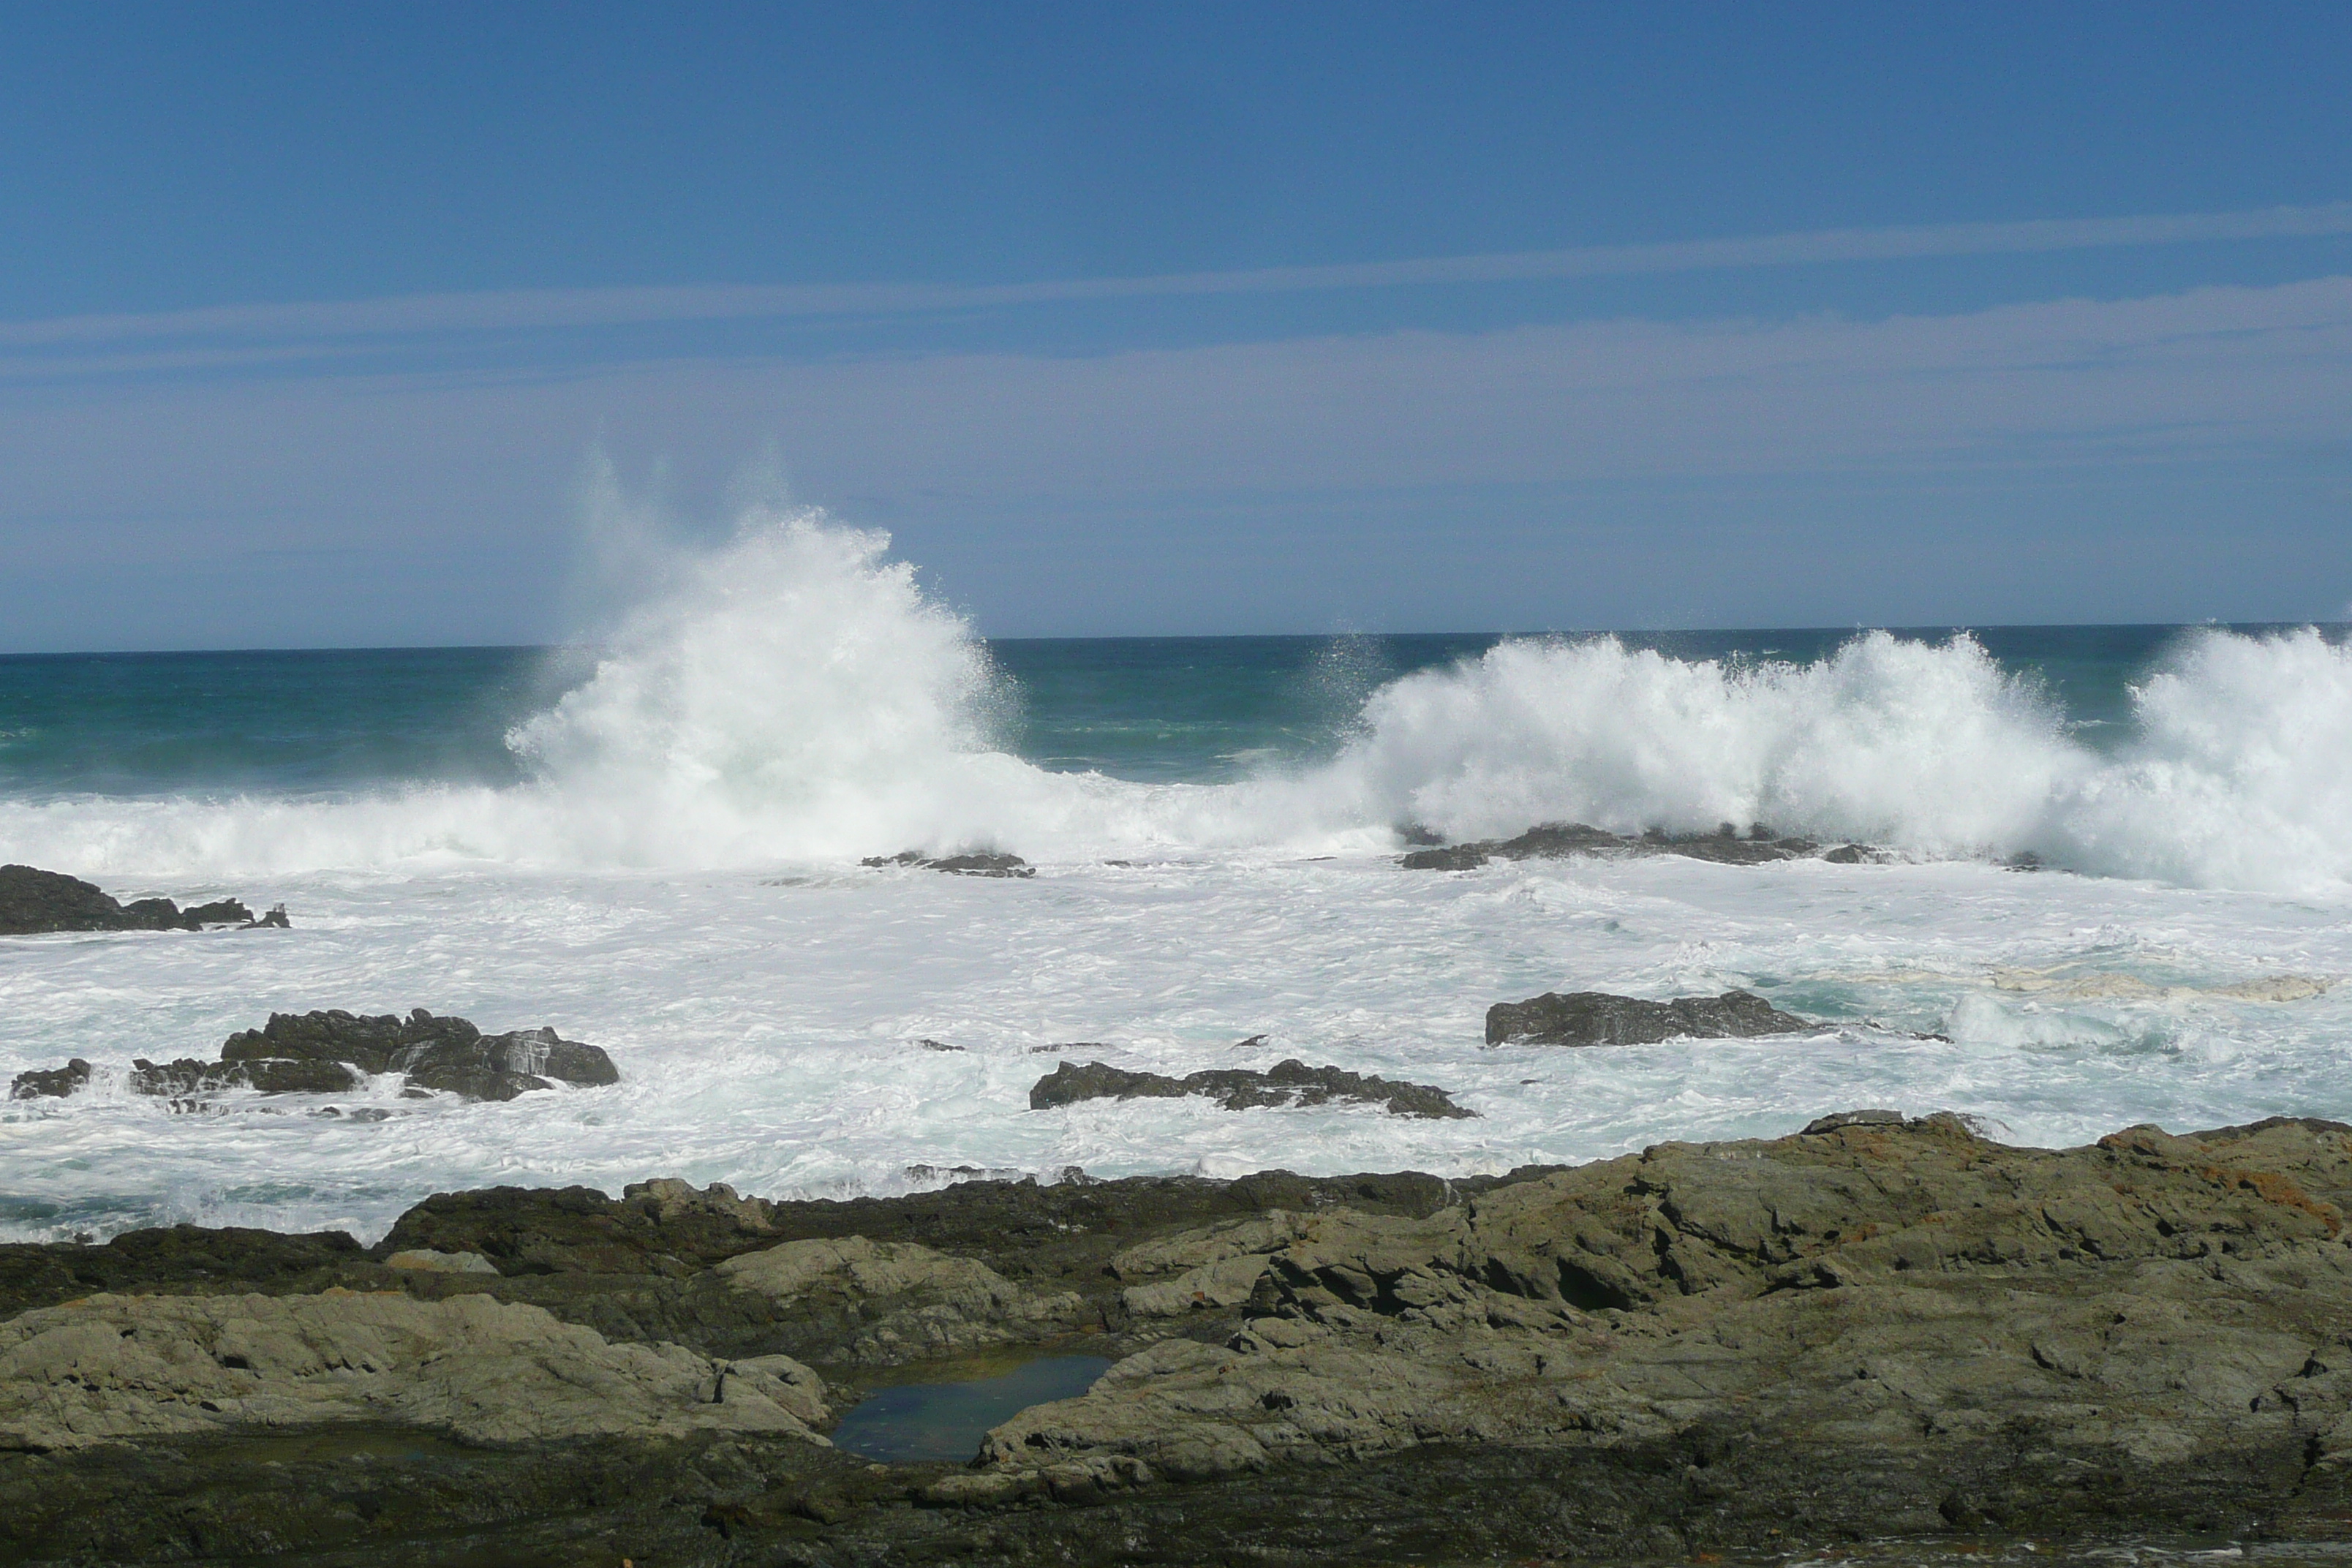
(947, 1420)
(1145, 708)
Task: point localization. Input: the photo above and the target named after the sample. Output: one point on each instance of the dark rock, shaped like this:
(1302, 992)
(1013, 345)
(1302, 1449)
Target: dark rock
(70, 1079)
(939, 1045)
(188, 1076)
(1597, 1018)
(1287, 1083)
(446, 1054)
(1557, 840)
(968, 865)
(223, 912)
(326, 1052)
(1822, 1124)
(33, 901)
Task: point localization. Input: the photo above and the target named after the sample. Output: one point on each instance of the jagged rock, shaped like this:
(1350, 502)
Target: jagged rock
(187, 1077)
(109, 1368)
(42, 1082)
(969, 865)
(1901, 1290)
(317, 1053)
(1598, 1018)
(33, 901)
(444, 1053)
(1286, 1083)
(1558, 840)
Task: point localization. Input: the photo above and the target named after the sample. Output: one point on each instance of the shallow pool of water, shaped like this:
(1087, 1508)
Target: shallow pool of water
(947, 1420)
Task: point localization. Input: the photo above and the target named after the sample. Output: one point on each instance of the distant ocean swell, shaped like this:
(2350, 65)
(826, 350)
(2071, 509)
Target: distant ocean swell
(795, 696)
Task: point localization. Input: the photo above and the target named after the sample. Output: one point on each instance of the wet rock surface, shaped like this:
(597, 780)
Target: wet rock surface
(1881, 1326)
(1598, 1018)
(1286, 1083)
(1558, 840)
(51, 1082)
(328, 1052)
(980, 864)
(32, 901)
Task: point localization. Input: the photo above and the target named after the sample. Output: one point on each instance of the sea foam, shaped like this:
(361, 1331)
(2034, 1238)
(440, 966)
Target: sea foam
(795, 696)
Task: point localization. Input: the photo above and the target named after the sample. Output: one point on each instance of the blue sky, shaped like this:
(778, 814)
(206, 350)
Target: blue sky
(1212, 319)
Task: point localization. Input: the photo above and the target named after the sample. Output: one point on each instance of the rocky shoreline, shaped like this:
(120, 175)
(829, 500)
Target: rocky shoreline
(1878, 1326)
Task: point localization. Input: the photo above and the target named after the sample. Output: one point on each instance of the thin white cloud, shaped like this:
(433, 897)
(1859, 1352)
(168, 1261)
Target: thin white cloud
(1044, 485)
(328, 322)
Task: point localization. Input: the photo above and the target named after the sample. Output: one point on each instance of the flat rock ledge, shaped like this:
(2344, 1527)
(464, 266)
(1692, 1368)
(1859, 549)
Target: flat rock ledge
(1598, 1018)
(34, 901)
(1286, 1083)
(329, 1052)
(975, 864)
(109, 1369)
(1886, 1325)
(1558, 840)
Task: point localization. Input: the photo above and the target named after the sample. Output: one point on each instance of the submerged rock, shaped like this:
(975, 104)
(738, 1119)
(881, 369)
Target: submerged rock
(1598, 1018)
(1558, 840)
(32, 901)
(1286, 1083)
(977, 864)
(329, 1052)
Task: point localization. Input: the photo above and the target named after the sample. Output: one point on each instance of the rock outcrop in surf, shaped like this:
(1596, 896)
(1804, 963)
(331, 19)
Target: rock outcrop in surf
(1286, 1083)
(333, 1051)
(1598, 1018)
(1558, 840)
(979, 863)
(34, 901)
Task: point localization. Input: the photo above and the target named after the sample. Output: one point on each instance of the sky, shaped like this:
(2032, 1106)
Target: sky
(316, 323)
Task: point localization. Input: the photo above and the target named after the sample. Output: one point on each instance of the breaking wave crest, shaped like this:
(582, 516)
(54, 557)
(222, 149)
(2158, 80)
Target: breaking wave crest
(796, 696)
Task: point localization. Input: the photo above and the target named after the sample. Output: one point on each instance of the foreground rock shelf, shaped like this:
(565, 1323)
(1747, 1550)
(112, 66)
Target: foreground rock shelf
(1880, 1326)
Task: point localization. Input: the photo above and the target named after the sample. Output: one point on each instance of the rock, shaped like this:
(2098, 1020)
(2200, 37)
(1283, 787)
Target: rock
(1882, 1326)
(446, 1054)
(327, 1053)
(1286, 1083)
(1820, 1124)
(968, 865)
(1598, 1018)
(70, 1079)
(432, 1262)
(1878, 1292)
(1558, 840)
(898, 1301)
(34, 901)
(109, 1368)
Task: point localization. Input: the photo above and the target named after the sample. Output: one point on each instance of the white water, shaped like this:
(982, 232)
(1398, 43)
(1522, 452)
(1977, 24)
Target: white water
(678, 885)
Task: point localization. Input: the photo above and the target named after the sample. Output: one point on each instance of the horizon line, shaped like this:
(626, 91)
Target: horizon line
(1857, 629)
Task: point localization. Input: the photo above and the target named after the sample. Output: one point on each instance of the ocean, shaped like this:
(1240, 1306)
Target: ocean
(652, 842)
